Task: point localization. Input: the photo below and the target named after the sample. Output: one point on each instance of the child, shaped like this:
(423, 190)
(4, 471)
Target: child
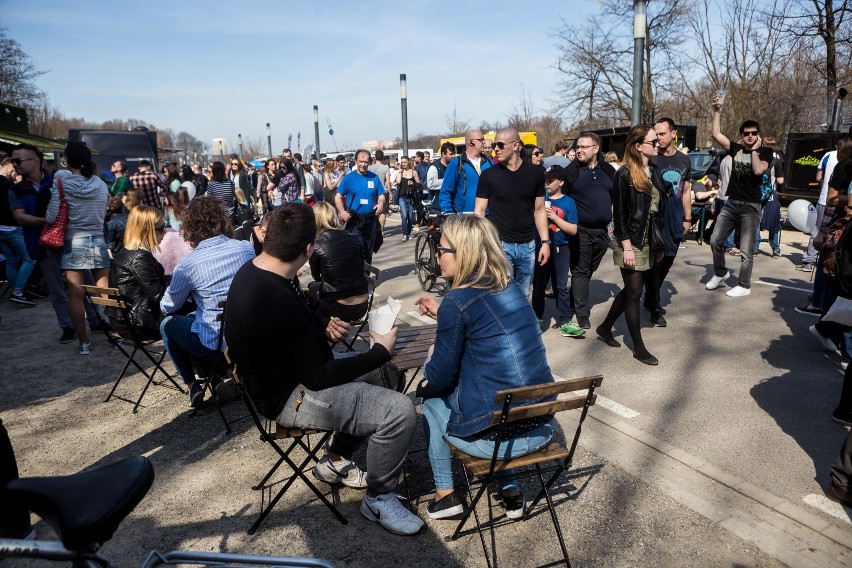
(115, 222)
(562, 215)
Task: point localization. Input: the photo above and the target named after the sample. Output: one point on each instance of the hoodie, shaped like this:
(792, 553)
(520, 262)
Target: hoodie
(87, 201)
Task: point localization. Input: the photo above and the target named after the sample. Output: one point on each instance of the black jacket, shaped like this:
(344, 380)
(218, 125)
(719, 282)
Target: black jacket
(631, 208)
(338, 262)
(139, 278)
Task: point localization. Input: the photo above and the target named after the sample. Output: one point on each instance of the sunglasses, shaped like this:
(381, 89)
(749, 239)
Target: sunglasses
(19, 161)
(502, 145)
(445, 250)
(537, 153)
(750, 133)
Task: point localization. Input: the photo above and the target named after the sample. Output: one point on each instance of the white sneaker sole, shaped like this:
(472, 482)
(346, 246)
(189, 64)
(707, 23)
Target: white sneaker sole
(444, 513)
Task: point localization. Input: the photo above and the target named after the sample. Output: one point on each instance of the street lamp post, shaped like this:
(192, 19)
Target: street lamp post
(240, 138)
(316, 132)
(269, 139)
(403, 95)
(640, 24)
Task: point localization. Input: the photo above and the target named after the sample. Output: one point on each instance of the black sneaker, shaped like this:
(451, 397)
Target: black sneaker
(21, 300)
(584, 322)
(808, 310)
(68, 335)
(449, 506)
(514, 504)
(196, 395)
(658, 320)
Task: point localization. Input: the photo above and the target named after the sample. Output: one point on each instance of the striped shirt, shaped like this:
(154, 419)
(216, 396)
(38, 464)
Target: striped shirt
(224, 190)
(206, 273)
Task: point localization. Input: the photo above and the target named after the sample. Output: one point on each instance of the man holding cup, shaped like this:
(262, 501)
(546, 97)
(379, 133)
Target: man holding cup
(750, 160)
(280, 346)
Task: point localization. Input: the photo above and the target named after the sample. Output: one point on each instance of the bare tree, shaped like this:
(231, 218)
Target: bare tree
(18, 74)
(456, 125)
(522, 117)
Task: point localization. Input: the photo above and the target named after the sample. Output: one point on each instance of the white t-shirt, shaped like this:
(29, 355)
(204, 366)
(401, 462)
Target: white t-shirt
(826, 164)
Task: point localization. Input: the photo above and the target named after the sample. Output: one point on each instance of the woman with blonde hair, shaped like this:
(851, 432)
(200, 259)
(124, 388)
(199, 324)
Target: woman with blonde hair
(638, 207)
(488, 339)
(137, 275)
(131, 198)
(337, 266)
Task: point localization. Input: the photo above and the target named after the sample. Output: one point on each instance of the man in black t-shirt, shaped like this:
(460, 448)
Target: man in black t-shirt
(513, 192)
(280, 347)
(749, 162)
(675, 169)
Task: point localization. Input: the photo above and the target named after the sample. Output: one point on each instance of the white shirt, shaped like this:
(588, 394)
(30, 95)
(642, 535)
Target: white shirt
(826, 174)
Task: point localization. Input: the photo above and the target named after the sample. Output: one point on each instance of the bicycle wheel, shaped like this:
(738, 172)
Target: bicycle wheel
(425, 263)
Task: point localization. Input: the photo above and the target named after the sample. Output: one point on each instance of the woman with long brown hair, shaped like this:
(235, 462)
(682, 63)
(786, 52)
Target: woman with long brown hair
(637, 203)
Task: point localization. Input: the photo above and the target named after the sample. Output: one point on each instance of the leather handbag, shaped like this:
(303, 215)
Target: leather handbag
(53, 234)
(656, 240)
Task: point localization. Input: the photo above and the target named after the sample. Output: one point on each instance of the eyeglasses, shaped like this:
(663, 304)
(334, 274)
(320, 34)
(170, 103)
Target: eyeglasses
(653, 142)
(445, 250)
(480, 140)
(586, 147)
(19, 161)
(235, 164)
(750, 133)
(502, 145)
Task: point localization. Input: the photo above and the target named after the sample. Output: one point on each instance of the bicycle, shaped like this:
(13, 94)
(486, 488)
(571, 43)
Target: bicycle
(85, 509)
(426, 252)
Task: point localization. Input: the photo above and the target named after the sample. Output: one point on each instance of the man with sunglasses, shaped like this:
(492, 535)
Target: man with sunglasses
(750, 160)
(458, 190)
(513, 191)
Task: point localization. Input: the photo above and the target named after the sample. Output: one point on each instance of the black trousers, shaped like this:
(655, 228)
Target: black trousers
(654, 281)
(586, 253)
(841, 471)
(11, 518)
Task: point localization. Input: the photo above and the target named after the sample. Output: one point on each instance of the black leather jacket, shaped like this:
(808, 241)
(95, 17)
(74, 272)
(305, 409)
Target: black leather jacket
(631, 208)
(338, 262)
(139, 278)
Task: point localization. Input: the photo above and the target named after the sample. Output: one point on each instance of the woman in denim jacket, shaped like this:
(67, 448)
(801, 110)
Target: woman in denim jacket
(487, 340)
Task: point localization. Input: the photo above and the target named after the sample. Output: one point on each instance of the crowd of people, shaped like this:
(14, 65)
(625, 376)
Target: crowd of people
(179, 244)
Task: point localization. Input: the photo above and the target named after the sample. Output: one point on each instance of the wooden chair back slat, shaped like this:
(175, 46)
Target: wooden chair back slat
(542, 408)
(108, 302)
(549, 389)
(101, 290)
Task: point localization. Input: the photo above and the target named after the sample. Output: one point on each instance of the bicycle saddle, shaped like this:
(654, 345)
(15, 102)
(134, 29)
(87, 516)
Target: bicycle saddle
(85, 508)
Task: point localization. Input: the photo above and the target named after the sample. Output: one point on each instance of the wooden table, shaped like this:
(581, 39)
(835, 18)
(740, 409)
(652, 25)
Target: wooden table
(412, 348)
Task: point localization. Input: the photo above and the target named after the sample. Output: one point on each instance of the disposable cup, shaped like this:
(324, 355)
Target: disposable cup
(721, 94)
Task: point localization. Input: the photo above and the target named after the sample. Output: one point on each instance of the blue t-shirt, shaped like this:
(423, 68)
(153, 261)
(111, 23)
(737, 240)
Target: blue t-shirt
(558, 238)
(361, 192)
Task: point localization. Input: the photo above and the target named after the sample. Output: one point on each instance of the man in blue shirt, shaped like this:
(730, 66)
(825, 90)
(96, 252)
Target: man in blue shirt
(360, 198)
(205, 273)
(458, 190)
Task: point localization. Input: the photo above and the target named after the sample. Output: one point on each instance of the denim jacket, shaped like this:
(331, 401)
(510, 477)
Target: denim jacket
(486, 341)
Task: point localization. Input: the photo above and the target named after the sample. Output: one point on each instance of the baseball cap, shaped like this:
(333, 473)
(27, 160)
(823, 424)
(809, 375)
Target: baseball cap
(555, 172)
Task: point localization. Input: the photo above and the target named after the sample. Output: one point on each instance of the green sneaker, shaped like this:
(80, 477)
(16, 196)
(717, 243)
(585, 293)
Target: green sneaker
(571, 329)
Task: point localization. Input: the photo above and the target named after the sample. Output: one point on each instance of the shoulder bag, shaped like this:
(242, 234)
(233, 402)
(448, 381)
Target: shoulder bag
(53, 234)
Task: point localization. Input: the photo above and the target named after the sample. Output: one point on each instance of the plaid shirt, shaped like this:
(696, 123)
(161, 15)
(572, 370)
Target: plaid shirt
(150, 185)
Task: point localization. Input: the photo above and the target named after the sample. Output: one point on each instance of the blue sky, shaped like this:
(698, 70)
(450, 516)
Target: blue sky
(216, 69)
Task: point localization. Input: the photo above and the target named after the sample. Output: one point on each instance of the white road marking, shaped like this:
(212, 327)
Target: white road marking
(782, 286)
(418, 317)
(828, 506)
(610, 405)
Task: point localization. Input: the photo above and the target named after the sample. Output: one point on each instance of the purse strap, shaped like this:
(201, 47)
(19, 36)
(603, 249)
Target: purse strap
(59, 185)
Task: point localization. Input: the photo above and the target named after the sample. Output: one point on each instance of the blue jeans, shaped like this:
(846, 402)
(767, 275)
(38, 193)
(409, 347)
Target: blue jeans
(436, 412)
(406, 211)
(19, 265)
(521, 257)
(182, 344)
(774, 240)
(747, 217)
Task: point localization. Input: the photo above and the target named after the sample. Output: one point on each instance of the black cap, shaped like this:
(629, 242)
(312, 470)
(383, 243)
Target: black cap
(555, 172)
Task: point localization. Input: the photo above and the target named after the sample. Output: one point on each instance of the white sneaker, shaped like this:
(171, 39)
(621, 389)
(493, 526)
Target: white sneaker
(347, 473)
(738, 292)
(716, 281)
(86, 348)
(386, 510)
(826, 342)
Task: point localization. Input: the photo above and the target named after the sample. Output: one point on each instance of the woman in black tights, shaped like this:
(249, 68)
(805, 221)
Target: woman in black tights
(636, 200)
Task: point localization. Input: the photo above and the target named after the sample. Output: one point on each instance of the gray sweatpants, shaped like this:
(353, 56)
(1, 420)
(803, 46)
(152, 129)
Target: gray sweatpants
(356, 410)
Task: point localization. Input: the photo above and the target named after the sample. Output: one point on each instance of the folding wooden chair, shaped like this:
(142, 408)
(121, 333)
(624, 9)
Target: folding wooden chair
(209, 372)
(483, 472)
(111, 298)
(372, 274)
(272, 433)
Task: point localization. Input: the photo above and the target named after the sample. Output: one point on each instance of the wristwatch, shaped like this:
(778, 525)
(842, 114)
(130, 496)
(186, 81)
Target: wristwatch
(545, 242)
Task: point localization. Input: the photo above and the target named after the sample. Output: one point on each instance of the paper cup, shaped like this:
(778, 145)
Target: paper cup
(547, 203)
(721, 94)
